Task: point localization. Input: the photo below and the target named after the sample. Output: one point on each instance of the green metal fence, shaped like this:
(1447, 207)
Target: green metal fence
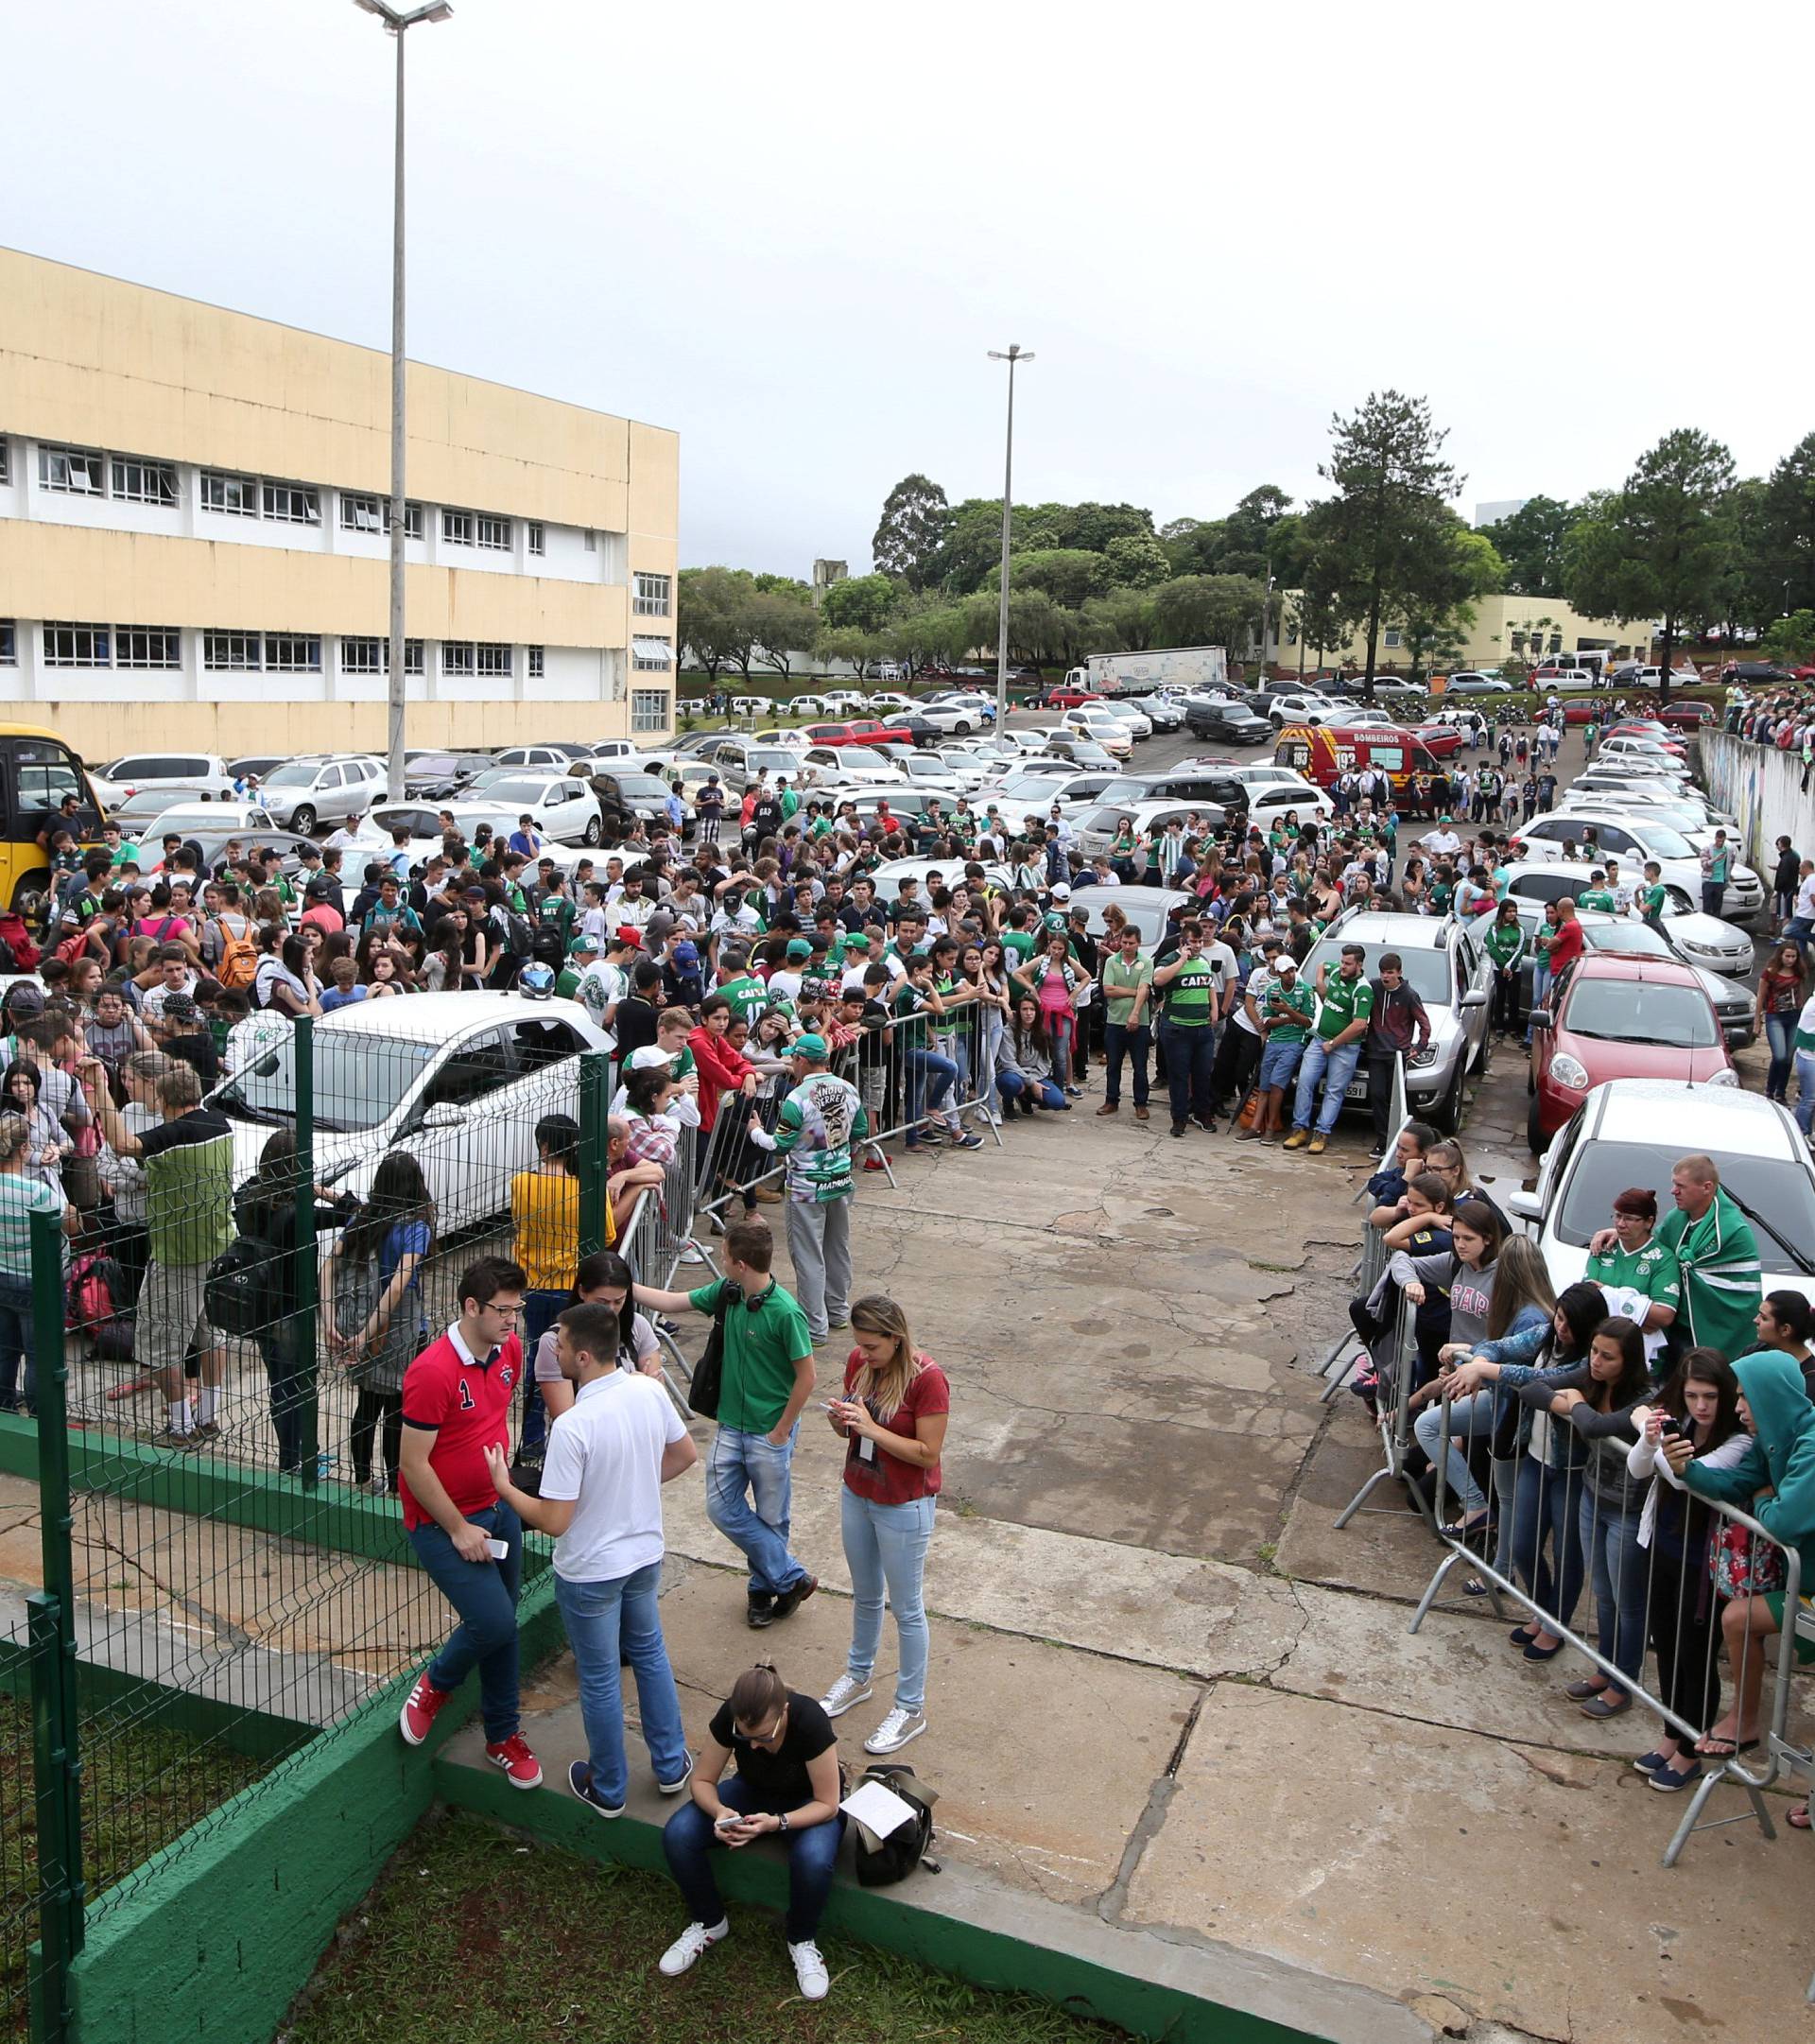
(223, 1578)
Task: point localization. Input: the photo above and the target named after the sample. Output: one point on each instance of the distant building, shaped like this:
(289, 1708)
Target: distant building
(1505, 628)
(827, 572)
(1489, 514)
(195, 551)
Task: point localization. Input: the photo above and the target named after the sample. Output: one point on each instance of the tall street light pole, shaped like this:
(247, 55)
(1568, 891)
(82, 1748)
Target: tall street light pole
(1016, 353)
(396, 23)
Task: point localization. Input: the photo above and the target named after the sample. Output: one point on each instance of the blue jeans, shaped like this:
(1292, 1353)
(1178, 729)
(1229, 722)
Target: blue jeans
(1279, 1061)
(1467, 1417)
(885, 1546)
(541, 1310)
(485, 1595)
(15, 1339)
(1780, 1032)
(1804, 1095)
(930, 1079)
(1043, 1093)
(1621, 1575)
(603, 1618)
(1190, 1058)
(740, 1463)
(1546, 1504)
(1336, 1068)
(1119, 1041)
(688, 1840)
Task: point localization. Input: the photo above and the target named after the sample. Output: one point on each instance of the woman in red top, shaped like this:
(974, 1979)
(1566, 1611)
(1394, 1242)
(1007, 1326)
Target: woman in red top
(893, 1416)
(1779, 1002)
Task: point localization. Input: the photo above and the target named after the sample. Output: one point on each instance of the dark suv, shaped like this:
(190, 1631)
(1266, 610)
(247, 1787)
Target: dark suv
(1234, 722)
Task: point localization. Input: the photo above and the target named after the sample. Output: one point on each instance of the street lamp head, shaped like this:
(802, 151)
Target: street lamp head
(438, 11)
(1016, 353)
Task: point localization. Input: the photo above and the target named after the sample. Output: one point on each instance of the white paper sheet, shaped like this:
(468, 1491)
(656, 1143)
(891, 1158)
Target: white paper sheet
(879, 1810)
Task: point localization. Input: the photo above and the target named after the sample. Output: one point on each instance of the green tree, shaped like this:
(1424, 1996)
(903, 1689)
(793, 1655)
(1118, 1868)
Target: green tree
(847, 643)
(916, 522)
(1090, 527)
(1120, 622)
(927, 629)
(1209, 610)
(860, 603)
(1315, 624)
(1788, 519)
(1194, 545)
(1662, 548)
(1459, 565)
(973, 544)
(1070, 574)
(1531, 543)
(1373, 546)
(781, 624)
(714, 620)
(1135, 561)
(1791, 638)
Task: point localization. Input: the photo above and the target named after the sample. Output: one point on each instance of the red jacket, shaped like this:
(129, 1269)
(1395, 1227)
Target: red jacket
(721, 1069)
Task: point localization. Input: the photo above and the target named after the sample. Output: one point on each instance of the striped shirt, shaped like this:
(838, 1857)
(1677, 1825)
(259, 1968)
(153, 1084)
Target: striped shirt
(1722, 1276)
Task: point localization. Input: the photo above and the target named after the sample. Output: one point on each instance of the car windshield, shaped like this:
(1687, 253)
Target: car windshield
(1426, 972)
(646, 787)
(1773, 1186)
(777, 758)
(360, 1079)
(293, 774)
(1640, 1012)
(1631, 940)
(1661, 841)
(522, 790)
(1031, 788)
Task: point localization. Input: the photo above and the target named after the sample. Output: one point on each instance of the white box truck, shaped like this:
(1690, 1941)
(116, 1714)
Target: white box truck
(1199, 667)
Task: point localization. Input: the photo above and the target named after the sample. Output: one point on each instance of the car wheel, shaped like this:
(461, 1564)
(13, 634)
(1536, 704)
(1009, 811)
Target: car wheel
(1681, 902)
(1536, 1140)
(963, 727)
(1448, 1111)
(304, 819)
(594, 831)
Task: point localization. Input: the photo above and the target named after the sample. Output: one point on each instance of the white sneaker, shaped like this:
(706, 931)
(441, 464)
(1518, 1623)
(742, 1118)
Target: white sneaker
(843, 1693)
(695, 1939)
(809, 1969)
(895, 1730)
(690, 1254)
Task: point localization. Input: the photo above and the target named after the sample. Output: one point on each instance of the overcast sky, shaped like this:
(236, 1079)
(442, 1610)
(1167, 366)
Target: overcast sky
(793, 233)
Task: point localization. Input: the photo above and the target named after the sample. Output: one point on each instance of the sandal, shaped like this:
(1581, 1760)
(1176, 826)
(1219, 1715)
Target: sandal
(1723, 1748)
(1796, 1817)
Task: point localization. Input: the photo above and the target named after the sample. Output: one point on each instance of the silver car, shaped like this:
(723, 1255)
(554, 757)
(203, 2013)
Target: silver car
(1452, 974)
(303, 793)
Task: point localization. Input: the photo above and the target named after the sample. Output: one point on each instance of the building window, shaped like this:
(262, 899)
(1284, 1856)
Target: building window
(235, 495)
(293, 653)
(294, 504)
(654, 596)
(415, 521)
(76, 646)
(492, 532)
(412, 657)
(456, 528)
(143, 483)
(1393, 637)
(459, 656)
(536, 662)
(233, 651)
(362, 656)
(592, 541)
(6, 464)
(495, 663)
(538, 538)
(361, 514)
(652, 656)
(9, 643)
(648, 709)
(75, 470)
(147, 646)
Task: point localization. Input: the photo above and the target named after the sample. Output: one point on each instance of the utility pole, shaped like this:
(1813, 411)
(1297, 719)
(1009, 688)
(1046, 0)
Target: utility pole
(1016, 353)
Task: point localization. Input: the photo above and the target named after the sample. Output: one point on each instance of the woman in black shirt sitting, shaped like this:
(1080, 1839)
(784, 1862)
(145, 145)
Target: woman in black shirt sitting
(786, 1782)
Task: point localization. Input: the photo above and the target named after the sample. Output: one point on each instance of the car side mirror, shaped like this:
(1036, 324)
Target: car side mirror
(1525, 1205)
(443, 1115)
(1475, 997)
(1540, 1019)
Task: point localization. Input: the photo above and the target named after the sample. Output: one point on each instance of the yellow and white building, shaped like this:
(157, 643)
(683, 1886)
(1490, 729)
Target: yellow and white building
(1504, 627)
(194, 538)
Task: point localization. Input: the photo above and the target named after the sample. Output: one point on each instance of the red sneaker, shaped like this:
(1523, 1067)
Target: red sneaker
(522, 1768)
(421, 1709)
(875, 1163)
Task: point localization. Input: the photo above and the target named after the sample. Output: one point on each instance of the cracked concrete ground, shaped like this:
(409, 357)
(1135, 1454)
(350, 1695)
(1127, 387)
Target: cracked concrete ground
(1163, 1692)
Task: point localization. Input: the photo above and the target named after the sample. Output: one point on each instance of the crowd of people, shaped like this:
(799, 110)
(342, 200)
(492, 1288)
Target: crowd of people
(1581, 1434)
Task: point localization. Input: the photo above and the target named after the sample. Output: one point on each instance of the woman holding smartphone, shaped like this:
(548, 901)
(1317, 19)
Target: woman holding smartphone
(892, 1417)
(787, 1783)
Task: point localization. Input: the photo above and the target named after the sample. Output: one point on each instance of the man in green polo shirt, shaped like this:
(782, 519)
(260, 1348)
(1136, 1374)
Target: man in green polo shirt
(581, 951)
(1596, 894)
(1638, 1262)
(1347, 1004)
(1191, 985)
(766, 1379)
(1717, 1258)
(747, 994)
(1653, 897)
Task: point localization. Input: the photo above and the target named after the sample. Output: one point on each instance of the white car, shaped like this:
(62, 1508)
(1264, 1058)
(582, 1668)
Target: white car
(563, 806)
(855, 765)
(185, 774)
(1109, 732)
(888, 700)
(1699, 939)
(458, 1081)
(957, 719)
(1631, 1132)
(796, 741)
(1690, 811)
(1033, 795)
(1633, 839)
(1295, 707)
(1126, 711)
(890, 876)
(927, 769)
(192, 818)
(806, 706)
(843, 701)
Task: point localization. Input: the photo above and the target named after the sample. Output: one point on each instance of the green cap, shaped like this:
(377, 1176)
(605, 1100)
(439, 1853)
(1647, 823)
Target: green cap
(812, 1048)
(582, 942)
(799, 947)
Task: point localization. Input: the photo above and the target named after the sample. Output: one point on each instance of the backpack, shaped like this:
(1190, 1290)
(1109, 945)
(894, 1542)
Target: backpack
(519, 939)
(96, 1284)
(237, 965)
(17, 939)
(882, 1862)
(240, 1293)
(72, 947)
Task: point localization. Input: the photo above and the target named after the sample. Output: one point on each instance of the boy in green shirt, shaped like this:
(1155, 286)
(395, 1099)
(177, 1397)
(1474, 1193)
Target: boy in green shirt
(1334, 1050)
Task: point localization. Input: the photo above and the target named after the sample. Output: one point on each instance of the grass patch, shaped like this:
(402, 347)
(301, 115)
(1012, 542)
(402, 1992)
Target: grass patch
(141, 1788)
(475, 1934)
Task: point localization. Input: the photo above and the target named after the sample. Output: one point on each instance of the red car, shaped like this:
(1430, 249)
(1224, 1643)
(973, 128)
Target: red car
(1061, 698)
(861, 731)
(1439, 740)
(1619, 1017)
(1689, 715)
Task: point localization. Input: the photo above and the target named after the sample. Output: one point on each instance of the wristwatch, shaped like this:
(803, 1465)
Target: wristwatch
(782, 1820)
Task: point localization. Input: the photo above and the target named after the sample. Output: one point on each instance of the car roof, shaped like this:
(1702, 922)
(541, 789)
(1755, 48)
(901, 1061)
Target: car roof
(1625, 965)
(1698, 1117)
(1166, 898)
(433, 1018)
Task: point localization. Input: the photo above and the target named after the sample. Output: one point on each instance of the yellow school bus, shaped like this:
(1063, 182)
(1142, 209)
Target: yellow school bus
(37, 769)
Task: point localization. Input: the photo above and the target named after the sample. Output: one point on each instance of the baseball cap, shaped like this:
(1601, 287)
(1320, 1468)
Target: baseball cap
(628, 933)
(1286, 962)
(648, 1058)
(1060, 891)
(799, 947)
(686, 955)
(583, 943)
(180, 1008)
(810, 1047)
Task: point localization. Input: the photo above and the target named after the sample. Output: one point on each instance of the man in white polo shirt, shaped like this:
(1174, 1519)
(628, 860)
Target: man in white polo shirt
(601, 1497)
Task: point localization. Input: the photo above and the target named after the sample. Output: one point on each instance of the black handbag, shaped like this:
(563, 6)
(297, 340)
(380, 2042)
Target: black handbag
(708, 1372)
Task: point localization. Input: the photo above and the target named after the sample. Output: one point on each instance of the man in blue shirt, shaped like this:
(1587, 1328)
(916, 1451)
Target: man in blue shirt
(526, 837)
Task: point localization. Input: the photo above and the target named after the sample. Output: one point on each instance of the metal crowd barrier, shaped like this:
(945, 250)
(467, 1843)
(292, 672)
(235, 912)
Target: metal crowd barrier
(1396, 1363)
(1666, 1618)
(648, 1244)
(1371, 1265)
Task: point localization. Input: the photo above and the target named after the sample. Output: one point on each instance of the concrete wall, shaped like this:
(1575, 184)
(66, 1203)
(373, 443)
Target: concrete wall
(1763, 788)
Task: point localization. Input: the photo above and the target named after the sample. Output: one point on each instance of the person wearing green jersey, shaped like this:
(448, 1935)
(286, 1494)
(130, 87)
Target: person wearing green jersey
(1596, 894)
(820, 1119)
(1128, 989)
(1717, 1255)
(581, 951)
(1334, 1050)
(1717, 869)
(1505, 943)
(1653, 897)
(747, 994)
(1287, 1016)
(1192, 983)
(1640, 1264)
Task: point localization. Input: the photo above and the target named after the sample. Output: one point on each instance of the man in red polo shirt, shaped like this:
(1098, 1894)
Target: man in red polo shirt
(456, 1404)
(1567, 946)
